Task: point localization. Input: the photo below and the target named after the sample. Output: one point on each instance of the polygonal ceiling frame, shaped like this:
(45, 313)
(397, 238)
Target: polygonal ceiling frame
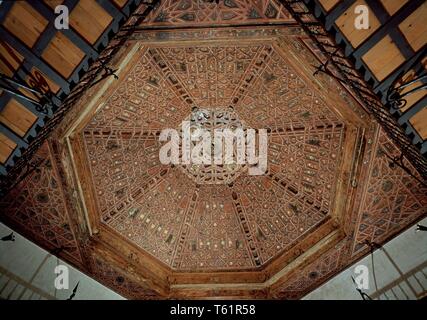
(169, 283)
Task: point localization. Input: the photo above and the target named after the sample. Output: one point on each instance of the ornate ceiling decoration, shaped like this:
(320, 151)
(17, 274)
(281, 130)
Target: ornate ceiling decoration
(212, 120)
(190, 12)
(177, 217)
(37, 207)
(153, 231)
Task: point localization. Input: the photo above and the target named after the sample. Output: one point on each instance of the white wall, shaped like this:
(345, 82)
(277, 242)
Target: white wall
(400, 270)
(404, 270)
(22, 258)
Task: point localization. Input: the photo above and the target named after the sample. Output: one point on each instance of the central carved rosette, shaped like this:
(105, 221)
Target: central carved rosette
(214, 122)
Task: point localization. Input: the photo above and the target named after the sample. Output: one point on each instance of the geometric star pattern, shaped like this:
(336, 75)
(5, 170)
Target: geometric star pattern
(36, 207)
(189, 12)
(393, 199)
(246, 223)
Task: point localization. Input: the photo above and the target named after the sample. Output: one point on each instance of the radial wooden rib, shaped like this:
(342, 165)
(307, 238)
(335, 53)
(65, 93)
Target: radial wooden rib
(143, 267)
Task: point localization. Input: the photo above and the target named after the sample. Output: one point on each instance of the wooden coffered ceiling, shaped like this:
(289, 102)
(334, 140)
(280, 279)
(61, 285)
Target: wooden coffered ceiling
(394, 47)
(35, 53)
(91, 164)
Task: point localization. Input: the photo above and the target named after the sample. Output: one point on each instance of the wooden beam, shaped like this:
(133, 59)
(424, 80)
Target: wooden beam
(20, 143)
(404, 118)
(114, 26)
(389, 25)
(414, 62)
(79, 41)
(339, 9)
(111, 9)
(5, 7)
(7, 147)
(34, 59)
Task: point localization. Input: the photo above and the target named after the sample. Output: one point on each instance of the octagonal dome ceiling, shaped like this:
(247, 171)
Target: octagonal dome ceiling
(102, 198)
(231, 224)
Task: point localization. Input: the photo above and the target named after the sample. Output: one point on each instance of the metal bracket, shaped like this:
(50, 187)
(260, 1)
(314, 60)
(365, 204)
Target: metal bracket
(43, 95)
(396, 99)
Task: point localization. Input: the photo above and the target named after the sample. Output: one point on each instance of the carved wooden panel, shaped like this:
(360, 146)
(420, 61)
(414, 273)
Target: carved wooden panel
(200, 12)
(117, 280)
(393, 199)
(36, 207)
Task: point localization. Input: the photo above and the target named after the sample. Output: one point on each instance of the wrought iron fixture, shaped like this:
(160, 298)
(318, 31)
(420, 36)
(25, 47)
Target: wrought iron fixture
(323, 67)
(36, 94)
(372, 245)
(398, 161)
(106, 72)
(57, 251)
(33, 165)
(396, 99)
(339, 67)
(363, 294)
(10, 237)
(73, 294)
(96, 72)
(35, 90)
